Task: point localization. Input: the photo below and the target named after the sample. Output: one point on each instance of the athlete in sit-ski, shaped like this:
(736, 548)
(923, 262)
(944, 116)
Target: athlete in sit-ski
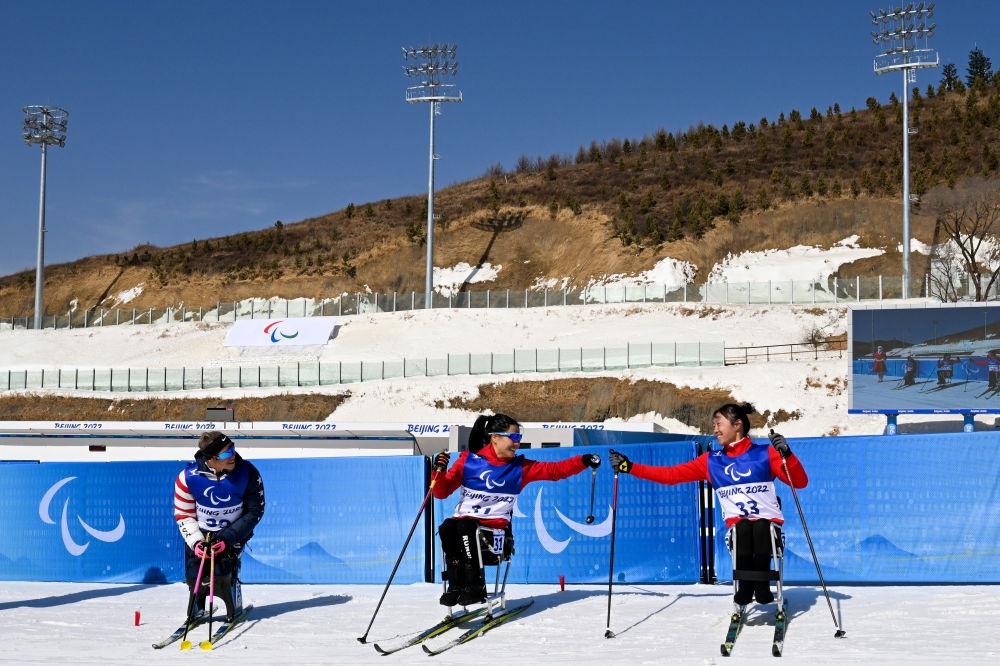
(992, 363)
(491, 475)
(910, 367)
(218, 501)
(743, 475)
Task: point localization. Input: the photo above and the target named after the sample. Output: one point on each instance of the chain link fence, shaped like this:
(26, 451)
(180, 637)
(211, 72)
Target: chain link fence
(574, 359)
(830, 291)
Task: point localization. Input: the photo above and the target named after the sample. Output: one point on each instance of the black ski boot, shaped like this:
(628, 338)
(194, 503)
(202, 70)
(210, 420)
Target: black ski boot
(475, 586)
(456, 585)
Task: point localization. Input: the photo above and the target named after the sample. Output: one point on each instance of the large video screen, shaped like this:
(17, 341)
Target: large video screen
(925, 359)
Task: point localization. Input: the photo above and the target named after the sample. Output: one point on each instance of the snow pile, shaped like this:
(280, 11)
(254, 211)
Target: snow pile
(670, 272)
(798, 263)
(449, 281)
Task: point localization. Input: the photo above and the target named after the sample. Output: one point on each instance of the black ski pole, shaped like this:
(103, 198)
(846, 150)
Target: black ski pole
(840, 633)
(611, 567)
(423, 505)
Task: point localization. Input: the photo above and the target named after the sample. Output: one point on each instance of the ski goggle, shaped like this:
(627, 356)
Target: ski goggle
(227, 454)
(514, 436)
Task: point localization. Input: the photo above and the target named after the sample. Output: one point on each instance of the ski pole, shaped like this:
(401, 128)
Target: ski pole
(593, 481)
(840, 633)
(194, 594)
(430, 489)
(611, 567)
(207, 645)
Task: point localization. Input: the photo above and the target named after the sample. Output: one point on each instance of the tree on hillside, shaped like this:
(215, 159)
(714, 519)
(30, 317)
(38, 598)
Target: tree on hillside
(979, 67)
(946, 275)
(949, 78)
(974, 234)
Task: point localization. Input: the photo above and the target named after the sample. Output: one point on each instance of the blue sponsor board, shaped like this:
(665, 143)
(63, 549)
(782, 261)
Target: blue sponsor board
(656, 526)
(327, 521)
(892, 509)
(885, 509)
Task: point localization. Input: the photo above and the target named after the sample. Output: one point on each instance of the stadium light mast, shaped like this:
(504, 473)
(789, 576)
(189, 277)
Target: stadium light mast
(434, 65)
(898, 32)
(45, 125)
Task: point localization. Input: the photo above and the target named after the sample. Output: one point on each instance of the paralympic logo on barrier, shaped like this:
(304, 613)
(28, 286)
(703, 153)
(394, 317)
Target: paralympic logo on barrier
(272, 330)
(72, 547)
(555, 546)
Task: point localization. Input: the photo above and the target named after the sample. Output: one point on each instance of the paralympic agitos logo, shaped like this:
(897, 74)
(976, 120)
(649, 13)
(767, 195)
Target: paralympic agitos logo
(276, 334)
(550, 543)
(72, 547)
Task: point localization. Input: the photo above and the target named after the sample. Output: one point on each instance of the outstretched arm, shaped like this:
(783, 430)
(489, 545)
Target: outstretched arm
(693, 470)
(537, 470)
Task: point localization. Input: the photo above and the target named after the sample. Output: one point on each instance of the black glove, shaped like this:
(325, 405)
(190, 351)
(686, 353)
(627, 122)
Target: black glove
(215, 545)
(620, 462)
(780, 445)
(591, 460)
(441, 460)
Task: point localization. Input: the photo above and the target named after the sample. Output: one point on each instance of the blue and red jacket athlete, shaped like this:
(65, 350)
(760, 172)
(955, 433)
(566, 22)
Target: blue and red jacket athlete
(490, 475)
(743, 475)
(490, 484)
(218, 501)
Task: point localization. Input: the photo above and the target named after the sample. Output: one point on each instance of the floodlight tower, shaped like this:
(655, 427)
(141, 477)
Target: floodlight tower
(901, 30)
(434, 64)
(45, 125)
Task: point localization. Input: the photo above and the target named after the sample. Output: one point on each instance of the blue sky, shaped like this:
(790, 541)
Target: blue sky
(192, 120)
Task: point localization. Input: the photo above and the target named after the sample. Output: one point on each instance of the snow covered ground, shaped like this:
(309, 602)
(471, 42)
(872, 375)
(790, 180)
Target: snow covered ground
(47, 623)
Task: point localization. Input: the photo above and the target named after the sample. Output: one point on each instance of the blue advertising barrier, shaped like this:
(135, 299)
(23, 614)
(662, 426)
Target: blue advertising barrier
(656, 532)
(913, 509)
(327, 520)
(339, 520)
(880, 509)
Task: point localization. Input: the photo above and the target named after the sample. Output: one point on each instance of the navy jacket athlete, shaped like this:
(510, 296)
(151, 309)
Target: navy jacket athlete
(218, 501)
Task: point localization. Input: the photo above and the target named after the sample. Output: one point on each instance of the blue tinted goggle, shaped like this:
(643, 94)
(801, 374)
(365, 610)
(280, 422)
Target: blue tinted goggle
(514, 436)
(227, 454)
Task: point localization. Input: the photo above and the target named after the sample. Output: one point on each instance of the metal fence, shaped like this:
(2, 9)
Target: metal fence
(796, 351)
(830, 291)
(574, 359)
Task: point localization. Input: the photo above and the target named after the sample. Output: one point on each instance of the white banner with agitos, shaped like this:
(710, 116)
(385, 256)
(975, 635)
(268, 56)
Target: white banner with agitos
(289, 332)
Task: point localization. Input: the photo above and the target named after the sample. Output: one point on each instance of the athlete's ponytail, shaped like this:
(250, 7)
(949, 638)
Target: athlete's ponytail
(478, 436)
